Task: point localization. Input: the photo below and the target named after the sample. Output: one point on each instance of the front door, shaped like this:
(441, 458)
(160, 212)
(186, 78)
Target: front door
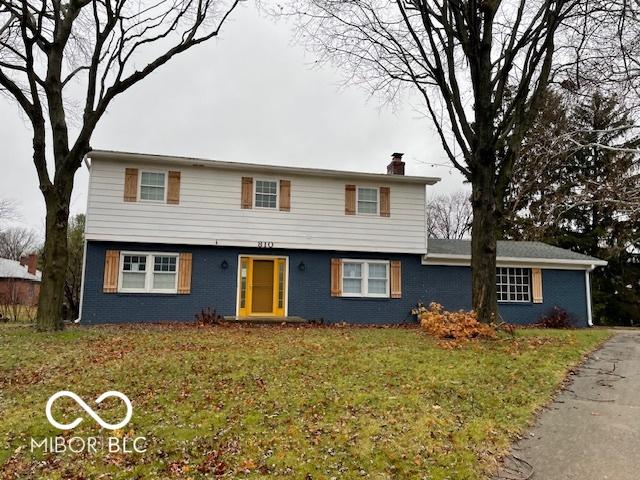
(262, 286)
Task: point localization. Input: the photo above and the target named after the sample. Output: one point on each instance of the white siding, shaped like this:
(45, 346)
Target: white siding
(209, 213)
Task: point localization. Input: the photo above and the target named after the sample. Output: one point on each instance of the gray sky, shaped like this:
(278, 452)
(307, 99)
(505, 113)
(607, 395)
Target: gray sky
(249, 96)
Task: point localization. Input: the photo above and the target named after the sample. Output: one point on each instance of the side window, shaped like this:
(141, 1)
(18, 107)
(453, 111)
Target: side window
(513, 284)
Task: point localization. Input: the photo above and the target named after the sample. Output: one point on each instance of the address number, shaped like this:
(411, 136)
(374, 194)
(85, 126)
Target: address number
(265, 244)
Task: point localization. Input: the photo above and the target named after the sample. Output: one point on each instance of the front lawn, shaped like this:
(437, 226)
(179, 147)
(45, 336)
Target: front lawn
(281, 402)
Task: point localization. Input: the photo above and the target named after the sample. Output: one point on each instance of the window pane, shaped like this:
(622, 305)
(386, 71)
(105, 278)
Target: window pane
(152, 179)
(133, 280)
(351, 285)
(377, 286)
(134, 263)
(377, 270)
(164, 281)
(352, 270)
(151, 193)
(164, 264)
(265, 201)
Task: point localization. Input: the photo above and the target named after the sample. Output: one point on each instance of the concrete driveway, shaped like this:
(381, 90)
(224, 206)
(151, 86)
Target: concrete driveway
(592, 430)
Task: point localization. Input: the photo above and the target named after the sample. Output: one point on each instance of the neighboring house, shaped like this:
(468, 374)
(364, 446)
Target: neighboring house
(169, 236)
(20, 281)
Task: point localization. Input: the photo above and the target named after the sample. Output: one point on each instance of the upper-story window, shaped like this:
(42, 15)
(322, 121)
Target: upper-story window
(153, 186)
(266, 195)
(513, 284)
(367, 200)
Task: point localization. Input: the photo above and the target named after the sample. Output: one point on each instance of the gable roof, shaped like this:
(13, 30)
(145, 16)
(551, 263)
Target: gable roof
(13, 269)
(201, 162)
(511, 251)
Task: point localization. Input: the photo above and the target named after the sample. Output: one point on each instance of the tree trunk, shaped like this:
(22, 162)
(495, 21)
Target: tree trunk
(483, 245)
(55, 261)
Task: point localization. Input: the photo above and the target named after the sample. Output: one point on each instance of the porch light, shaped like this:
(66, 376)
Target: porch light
(301, 266)
(224, 265)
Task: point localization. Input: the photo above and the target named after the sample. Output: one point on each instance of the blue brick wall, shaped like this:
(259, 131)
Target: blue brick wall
(309, 295)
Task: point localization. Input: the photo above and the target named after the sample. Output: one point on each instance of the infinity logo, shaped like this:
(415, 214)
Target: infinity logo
(89, 410)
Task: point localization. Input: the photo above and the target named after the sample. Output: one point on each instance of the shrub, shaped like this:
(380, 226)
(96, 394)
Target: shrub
(209, 317)
(459, 326)
(556, 318)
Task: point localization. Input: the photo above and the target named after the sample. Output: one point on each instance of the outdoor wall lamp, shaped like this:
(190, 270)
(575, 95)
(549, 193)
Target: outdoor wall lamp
(224, 265)
(301, 266)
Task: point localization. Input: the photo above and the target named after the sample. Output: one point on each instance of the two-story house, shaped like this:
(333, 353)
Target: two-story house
(169, 236)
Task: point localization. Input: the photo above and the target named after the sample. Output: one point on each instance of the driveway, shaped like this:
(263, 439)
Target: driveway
(592, 429)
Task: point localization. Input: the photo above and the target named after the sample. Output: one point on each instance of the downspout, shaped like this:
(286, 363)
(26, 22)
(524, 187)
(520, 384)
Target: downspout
(84, 266)
(84, 251)
(587, 283)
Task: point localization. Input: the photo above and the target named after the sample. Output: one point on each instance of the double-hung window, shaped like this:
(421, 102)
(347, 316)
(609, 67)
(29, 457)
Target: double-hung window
(513, 284)
(153, 186)
(367, 200)
(365, 278)
(266, 195)
(148, 272)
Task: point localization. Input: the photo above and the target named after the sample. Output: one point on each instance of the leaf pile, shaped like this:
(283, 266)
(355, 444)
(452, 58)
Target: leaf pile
(459, 326)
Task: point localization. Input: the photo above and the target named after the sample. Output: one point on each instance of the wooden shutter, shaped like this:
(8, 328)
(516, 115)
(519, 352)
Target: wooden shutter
(185, 265)
(396, 279)
(130, 184)
(350, 199)
(173, 190)
(111, 271)
(247, 192)
(336, 277)
(536, 285)
(285, 195)
(385, 201)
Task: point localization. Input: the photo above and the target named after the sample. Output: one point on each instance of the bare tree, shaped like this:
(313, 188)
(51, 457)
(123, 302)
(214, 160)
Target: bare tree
(479, 67)
(449, 215)
(8, 210)
(103, 47)
(17, 241)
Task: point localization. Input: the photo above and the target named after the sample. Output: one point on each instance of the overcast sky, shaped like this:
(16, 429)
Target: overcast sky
(249, 96)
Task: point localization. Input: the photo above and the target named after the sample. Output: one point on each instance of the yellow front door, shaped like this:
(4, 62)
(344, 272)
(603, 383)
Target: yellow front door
(262, 286)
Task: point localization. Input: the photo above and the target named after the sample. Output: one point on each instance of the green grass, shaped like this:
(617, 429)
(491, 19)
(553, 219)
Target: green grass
(280, 402)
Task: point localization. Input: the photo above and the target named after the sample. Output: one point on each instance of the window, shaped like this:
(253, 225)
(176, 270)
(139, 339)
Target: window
(362, 278)
(513, 284)
(266, 194)
(368, 200)
(137, 277)
(152, 186)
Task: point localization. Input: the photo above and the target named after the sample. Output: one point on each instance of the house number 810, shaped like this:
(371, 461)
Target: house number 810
(265, 244)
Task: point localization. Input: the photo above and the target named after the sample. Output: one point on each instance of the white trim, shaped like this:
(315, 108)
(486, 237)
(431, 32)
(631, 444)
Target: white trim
(286, 282)
(465, 260)
(255, 192)
(377, 190)
(587, 283)
(274, 169)
(364, 279)
(149, 273)
(166, 185)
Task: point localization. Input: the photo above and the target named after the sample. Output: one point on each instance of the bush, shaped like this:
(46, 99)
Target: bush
(209, 317)
(556, 318)
(459, 326)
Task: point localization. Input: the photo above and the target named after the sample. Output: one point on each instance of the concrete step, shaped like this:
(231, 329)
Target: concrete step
(266, 320)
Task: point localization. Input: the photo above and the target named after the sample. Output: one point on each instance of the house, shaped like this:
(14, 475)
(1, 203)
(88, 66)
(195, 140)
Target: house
(169, 236)
(20, 281)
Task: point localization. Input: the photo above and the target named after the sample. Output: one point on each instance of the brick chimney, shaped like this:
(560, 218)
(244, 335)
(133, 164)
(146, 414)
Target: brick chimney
(396, 167)
(23, 260)
(32, 262)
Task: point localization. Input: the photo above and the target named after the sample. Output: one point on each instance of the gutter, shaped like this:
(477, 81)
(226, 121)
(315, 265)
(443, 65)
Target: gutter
(84, 255)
